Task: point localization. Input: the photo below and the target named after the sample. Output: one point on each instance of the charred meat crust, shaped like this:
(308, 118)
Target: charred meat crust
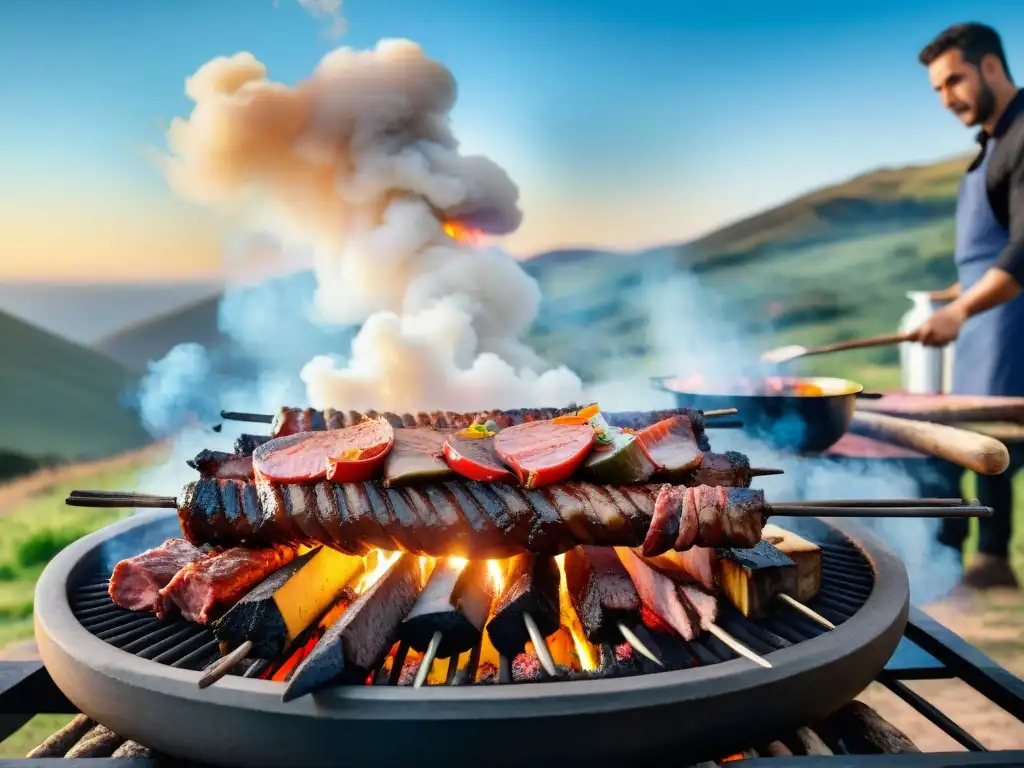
(469, 519)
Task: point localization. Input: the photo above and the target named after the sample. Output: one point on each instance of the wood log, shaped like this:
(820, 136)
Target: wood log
(60, 742)
(812, 743)
(99, 742)
(806, 555)
(862, 731)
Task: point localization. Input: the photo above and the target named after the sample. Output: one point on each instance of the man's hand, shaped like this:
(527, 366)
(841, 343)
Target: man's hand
(946, 294)
(943, 327)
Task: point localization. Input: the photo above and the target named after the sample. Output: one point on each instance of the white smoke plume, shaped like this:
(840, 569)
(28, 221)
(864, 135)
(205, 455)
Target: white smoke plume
(359, 163)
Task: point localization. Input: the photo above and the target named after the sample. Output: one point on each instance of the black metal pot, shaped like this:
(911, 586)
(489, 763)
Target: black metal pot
(801, 423)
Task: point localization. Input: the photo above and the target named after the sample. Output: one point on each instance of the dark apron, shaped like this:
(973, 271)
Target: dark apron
(989, 356)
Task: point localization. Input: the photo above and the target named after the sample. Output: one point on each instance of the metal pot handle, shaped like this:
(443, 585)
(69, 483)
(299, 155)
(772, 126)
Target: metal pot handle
(870, 395)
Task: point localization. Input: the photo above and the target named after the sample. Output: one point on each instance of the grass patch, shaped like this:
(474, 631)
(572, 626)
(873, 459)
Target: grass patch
(31, 534)
(32, 734)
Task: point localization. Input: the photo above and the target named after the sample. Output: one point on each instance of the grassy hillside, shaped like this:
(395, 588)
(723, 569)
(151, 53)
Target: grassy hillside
(59, 400)
(832, 264)
(835, 263)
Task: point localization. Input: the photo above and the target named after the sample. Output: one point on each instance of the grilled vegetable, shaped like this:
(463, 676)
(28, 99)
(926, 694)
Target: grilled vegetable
(286, 603)
(618, 457)
(531, 587)
(455, 603)
(416, 457)
(471, 453)
(361, 638)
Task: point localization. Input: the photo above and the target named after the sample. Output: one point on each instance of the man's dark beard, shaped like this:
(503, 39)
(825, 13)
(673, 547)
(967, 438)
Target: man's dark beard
(985, 107)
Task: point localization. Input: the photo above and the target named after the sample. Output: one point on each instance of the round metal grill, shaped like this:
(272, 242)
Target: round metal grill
(138, 674)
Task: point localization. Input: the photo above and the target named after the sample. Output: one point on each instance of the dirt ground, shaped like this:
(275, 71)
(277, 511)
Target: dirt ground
(14, 493)
(994, 622)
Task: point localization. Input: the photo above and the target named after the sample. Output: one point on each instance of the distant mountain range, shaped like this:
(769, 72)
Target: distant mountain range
(832, 264)
(86, 313)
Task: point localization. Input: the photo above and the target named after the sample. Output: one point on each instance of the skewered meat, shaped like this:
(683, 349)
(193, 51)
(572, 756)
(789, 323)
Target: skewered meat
(289, 421)
(136, 582)
(245, 444)
(467, 519)
(203, 588)
(286, 603)
(730, 469)
(221, 465)
(659, 594)
(601, 592)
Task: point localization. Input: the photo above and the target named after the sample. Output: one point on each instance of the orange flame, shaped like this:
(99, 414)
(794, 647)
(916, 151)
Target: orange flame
(733, 758)
(459, 232)
(496, 571)
(376, 564)
(587, 653)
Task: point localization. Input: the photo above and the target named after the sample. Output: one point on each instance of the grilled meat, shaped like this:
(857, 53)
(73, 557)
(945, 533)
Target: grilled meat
(290, 421)
(136, 582)
(204, 588)
(601, 592)
(221, 465)
(245, 444)
(468, 519)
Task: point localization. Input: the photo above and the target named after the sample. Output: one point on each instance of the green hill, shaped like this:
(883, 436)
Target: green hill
(835, 263)
(60, 401)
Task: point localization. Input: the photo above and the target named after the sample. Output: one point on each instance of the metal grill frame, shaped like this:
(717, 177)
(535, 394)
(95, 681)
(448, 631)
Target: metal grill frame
(243, 722)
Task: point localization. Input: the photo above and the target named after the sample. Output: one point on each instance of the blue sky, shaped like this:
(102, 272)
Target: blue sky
(624, 123)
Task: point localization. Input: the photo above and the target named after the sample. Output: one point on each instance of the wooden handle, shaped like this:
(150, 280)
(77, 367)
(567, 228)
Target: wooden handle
(969, 450)
(871, 341)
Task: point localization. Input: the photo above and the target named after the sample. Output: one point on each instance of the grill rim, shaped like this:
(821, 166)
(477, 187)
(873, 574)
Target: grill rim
(95, 676)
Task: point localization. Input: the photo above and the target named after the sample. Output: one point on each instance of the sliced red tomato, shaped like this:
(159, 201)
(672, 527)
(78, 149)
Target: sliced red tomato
(475, 458)
(349, 455)
(543, 452)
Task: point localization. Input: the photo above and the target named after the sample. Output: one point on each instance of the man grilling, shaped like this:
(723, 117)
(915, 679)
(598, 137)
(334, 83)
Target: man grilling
(967, 68)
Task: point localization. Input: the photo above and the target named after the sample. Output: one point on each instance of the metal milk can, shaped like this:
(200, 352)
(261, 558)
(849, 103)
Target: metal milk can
(924, 370)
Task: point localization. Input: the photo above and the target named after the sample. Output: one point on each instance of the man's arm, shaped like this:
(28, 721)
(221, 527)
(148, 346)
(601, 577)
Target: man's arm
(946, 294)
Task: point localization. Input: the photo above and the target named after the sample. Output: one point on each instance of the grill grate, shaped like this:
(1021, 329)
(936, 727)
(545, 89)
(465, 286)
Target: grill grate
(847, 581)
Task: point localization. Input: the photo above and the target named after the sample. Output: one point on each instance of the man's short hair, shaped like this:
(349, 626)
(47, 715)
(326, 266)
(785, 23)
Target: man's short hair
(974, 41)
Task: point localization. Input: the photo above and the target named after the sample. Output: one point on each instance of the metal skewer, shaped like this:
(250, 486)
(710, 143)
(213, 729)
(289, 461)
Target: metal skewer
(267, 418)
(638, 644)
(428, 659)
(540, 645)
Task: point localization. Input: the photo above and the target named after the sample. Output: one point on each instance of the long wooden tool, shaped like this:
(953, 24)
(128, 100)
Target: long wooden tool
(795, 352)
(978, 453)
(948, 409)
